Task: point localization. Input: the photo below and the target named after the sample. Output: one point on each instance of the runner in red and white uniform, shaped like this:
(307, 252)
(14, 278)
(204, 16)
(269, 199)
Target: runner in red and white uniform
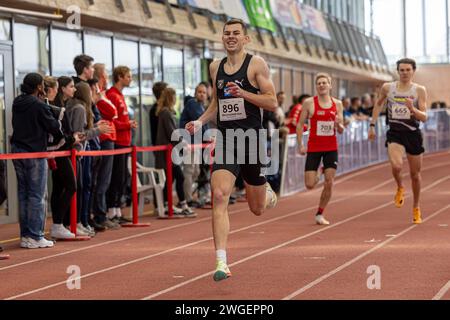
(325, 116)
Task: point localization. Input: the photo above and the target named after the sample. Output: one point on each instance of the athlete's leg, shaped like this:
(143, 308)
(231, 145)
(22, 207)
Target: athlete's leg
(415, 165)
(396, 152)
(222, 183)
(260, 195)
(325, 197)
(312, 175)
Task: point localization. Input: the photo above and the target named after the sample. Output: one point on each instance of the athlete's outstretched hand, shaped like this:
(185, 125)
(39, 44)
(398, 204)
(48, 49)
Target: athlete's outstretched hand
(193, 126)
(372, 134)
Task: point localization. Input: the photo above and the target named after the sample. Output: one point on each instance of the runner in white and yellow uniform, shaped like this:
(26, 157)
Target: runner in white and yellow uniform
(407, 106)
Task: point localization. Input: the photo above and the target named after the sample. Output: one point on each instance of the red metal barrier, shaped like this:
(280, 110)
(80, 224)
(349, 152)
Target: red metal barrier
(133, 150)
(169, 180)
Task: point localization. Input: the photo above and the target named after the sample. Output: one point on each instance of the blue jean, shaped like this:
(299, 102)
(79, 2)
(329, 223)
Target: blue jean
(31, 182)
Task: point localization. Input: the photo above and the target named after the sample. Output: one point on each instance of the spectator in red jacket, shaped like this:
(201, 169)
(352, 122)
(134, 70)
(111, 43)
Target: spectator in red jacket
(294, 115)
(123, 124)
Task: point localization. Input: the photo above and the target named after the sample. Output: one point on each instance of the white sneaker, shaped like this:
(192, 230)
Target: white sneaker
(320, 220)
(90, 230)
(272, 202)
(24, 242)
(111, 213)
(42, 243)
(81, 230)
(118, 212)
(57, 231)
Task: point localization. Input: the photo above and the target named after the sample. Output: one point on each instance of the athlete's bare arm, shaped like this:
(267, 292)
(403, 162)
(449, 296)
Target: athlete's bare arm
(419, 113)
(260, 73)
(339, 116)
(307, 110)
(379, 103)
(211, 112)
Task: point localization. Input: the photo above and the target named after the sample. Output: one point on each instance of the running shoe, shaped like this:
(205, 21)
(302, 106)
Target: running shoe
(272, 201)
(399, 199)
(320, 220)
(222, 271)
(417, 216)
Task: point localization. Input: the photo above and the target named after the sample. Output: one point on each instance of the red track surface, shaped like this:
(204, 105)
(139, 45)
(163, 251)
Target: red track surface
(282, 254)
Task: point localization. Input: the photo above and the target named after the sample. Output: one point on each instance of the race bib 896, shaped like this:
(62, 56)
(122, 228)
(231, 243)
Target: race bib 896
(232, 109)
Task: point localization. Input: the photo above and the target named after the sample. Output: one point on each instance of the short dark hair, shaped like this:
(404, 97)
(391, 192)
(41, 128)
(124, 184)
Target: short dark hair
(80, 62)
(280, 93)
(412, 62)
(236, 21)
(158, 88)
(31, 82)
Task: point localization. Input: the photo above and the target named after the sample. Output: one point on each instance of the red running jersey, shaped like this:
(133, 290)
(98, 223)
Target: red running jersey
(322, 133)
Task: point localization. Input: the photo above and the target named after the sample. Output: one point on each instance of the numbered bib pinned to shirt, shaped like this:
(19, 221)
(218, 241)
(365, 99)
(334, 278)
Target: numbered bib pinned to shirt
(325, 128)
(232, 109)
(400, 112)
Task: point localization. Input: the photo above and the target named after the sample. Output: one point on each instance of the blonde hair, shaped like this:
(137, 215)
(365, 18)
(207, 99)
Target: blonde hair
(167, 100)
(323, 75)
(50, 82)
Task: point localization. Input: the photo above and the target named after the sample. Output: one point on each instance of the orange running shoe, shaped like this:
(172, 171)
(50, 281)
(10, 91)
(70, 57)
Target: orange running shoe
(417, 216)
(399, 198)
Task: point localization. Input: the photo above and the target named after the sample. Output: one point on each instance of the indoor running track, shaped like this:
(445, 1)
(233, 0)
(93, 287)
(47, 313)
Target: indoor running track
(280, 255)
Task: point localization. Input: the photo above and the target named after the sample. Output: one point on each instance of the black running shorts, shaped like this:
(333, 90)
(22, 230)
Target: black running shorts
(330, 160)
(411, 140)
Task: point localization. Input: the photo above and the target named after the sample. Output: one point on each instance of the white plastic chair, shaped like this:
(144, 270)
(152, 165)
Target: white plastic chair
(156, 183)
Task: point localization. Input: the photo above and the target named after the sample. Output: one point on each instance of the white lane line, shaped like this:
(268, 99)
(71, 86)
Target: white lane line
(285, 244)
(442, 292)
(359, 257)
(174, 227)
(195, 243)
(232, 232)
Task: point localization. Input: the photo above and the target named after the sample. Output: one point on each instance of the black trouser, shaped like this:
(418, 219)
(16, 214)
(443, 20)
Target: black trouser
(79, 179)
(102, 180)
(64, 186)
(178, 176)
(3, 190)
(118, 183)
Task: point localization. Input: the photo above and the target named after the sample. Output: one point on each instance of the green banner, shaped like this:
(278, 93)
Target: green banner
(260, 14)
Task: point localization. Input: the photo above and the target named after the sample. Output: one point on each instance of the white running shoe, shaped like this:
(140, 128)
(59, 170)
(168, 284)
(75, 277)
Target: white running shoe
(42, 243)
(320, 220)
(24, 242)
(272, 202)
(57, 231)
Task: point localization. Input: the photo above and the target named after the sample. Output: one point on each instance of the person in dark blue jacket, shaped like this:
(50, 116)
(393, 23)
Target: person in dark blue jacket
(32, 122)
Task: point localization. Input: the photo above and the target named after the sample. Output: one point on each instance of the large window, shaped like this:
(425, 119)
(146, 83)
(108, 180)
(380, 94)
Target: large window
(65, 46)
(30, 51)
(416, 28)
(173, 73)
(5, 29)
(126, 54)
(391, 33)
(150, 73)
(192, 72)
(436, 31)
(100, 48)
